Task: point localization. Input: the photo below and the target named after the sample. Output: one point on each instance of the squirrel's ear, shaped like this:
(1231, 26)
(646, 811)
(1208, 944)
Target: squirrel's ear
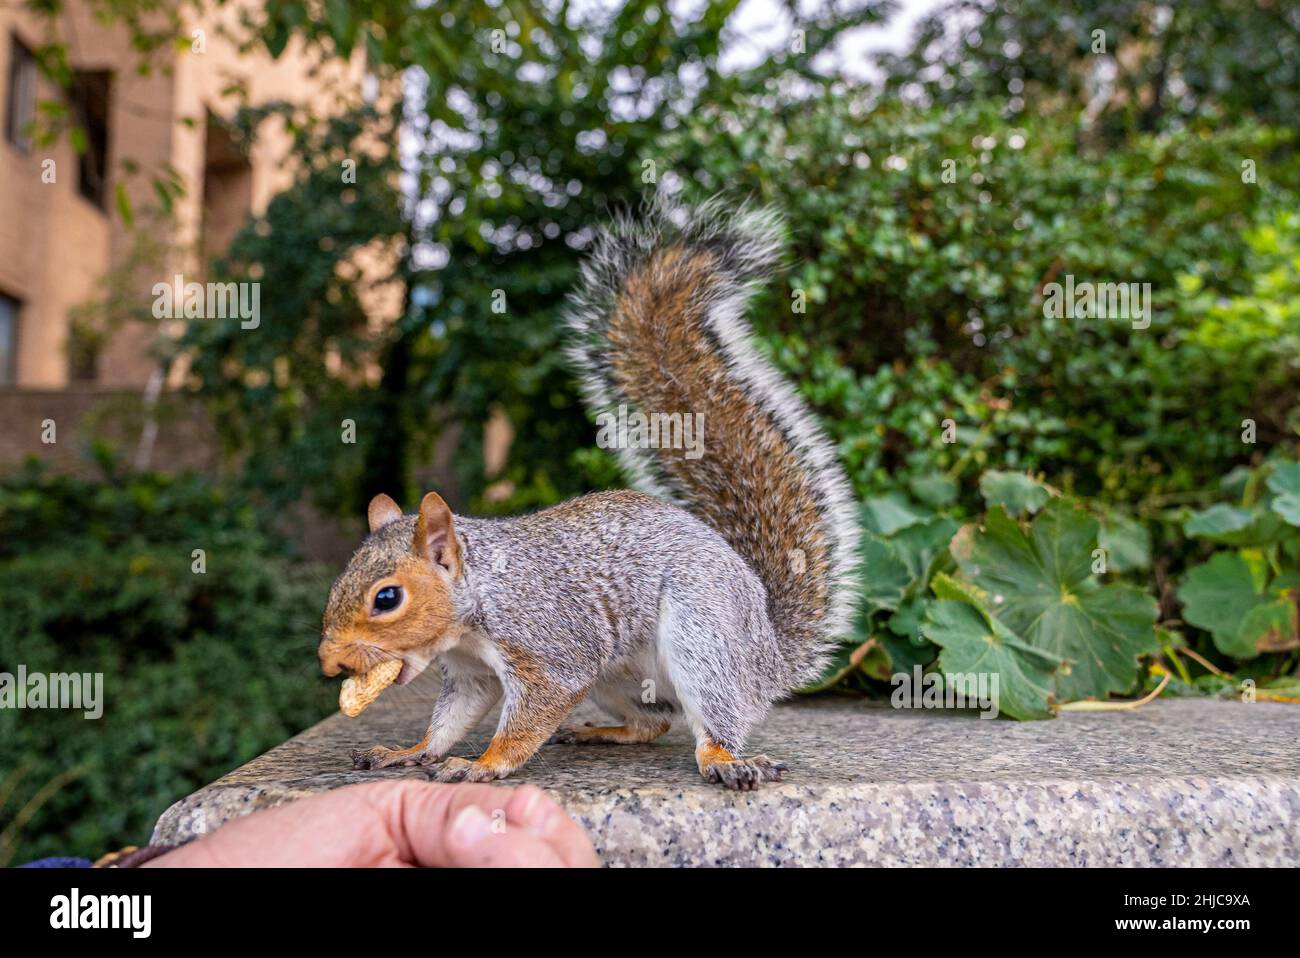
(435, 534)
(382, 511)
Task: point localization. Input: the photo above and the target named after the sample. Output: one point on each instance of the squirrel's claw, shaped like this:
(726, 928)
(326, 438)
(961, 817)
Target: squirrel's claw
(369, 758)
(462, 770)
(745, 774)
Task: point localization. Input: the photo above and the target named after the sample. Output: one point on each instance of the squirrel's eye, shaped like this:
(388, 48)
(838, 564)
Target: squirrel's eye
(388, 598)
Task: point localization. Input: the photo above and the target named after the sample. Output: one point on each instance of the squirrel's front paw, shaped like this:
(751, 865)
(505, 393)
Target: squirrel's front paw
(463, 770)
(381, 757)
(368, 758)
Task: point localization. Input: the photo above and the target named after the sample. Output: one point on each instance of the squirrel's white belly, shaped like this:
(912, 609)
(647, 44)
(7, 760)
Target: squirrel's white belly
(636, 685)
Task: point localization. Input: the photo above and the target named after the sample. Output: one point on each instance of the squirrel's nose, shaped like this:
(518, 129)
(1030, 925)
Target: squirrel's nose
(331, 663)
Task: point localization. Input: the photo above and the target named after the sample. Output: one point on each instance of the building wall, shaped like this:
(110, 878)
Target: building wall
(56, 246)
(53, 243)
(84, 415)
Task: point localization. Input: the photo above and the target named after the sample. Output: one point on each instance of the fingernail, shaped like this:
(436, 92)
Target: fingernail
(538, 814)
(528, 813)
(470, 826)
(549, 822)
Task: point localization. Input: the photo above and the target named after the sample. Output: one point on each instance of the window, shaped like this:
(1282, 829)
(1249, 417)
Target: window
(227, 189)
(8, 340)
(20, 106)
(89, 96)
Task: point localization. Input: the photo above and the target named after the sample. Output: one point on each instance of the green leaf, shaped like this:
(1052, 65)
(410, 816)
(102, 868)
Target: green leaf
(906, 653)
(338, 14)
(1040, 585)
(123, 200)
(1014, 491)
(1217, 595)
(885, 576)
(954, 590)
(276, 37)
(973, 642)
(1217, 521)
(1233, 485)
(1232, 525)
(1287, 584)
(1126, 541)
(935, 490)
(1285, 479)
(875, 662)
(1287, 506)
(889, 513)
(906, 622)
(1268, 627)
(1285, 484)
(920, 546)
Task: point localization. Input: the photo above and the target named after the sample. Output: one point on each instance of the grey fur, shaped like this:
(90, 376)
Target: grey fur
(619, 588)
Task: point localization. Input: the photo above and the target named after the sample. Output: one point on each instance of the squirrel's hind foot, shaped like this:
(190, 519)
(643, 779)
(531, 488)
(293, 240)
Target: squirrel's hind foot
(589, 734)
(721, 767)
(744, 774)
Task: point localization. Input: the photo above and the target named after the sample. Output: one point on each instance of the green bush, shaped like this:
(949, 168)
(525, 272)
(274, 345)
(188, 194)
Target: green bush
(201, 671)
(922, 243)
(913, 319)
(1256, 331)
(1056, 596)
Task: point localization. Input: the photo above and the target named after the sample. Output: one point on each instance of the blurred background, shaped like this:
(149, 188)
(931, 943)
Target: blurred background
(413, 186)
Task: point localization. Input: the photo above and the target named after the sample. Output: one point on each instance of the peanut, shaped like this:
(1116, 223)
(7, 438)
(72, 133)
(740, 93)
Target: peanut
(360, 690)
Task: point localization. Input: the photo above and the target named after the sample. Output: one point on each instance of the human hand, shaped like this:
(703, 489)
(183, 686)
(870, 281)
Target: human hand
(398, 824)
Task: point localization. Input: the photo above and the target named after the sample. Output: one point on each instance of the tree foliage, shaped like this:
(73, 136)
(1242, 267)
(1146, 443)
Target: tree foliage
(201, 670)
(525, 124)
(1123, 66)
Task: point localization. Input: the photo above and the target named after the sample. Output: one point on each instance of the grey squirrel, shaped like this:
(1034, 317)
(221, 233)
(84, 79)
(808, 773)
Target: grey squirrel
(714, 591)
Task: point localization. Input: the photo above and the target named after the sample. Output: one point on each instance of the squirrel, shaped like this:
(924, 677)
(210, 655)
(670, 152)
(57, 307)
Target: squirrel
(712, 592)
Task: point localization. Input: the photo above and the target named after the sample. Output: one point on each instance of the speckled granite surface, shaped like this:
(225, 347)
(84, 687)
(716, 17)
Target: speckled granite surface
(1174, 783)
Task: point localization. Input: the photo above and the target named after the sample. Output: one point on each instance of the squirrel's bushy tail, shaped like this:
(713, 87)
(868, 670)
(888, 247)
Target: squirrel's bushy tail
(661, 329)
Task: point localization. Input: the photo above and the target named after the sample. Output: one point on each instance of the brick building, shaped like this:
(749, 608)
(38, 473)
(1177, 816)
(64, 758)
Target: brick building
(60, 229)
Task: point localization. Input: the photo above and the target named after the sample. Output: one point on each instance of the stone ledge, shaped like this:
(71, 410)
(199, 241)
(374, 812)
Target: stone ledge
(1178, 782)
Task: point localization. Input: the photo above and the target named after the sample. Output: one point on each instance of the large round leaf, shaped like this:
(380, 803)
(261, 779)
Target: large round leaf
(1270, 627)
(975, 643)
(1234, 526)
(1127, 543)
(1217, 596)
(1285, 484)
(1014, 491)
(1041, 586)
(885, 576)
